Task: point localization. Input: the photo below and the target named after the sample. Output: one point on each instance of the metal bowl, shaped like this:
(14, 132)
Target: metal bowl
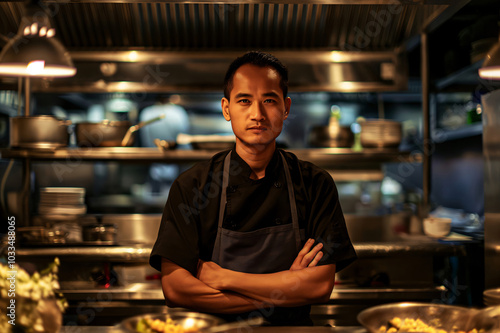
(189, 321)
(447, 317)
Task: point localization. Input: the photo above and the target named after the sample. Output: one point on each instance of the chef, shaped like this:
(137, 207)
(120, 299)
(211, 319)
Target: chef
(254, 231)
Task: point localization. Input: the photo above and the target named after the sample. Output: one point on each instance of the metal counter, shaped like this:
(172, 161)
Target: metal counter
(420, 245)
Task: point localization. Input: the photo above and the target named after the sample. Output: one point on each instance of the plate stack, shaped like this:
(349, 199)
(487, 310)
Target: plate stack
(62, 203)
(491, 297)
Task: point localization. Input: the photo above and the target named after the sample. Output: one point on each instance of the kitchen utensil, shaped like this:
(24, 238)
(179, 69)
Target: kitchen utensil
(191, 322)
(437, 227)
(128, 139)
(447, 317)
(331, 136)
(39, 132)
(164, 144)
(108, 133)
(103, 134)
(99, 232)
(380, 133)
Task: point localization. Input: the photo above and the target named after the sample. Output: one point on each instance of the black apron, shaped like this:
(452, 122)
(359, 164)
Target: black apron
(265, 250)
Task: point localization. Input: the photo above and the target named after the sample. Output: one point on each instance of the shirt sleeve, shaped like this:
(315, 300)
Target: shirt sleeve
(177, 238)
(327, 224)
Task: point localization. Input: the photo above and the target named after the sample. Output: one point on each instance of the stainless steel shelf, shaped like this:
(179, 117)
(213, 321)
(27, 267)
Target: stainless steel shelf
(320, 156)
(419, 246)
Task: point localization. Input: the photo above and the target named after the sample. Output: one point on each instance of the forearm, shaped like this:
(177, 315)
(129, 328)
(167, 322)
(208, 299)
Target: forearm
(181, 289)
(286, 288)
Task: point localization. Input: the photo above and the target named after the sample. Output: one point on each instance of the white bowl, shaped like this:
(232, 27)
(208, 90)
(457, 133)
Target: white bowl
(437, 227)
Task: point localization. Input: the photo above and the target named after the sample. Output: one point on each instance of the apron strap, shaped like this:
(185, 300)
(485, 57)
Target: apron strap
(222, 207)
(293, 205)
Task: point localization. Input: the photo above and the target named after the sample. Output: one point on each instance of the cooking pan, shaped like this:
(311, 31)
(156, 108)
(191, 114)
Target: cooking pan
(109, 133)
(447, 317)
(190, 322)
(41, 132)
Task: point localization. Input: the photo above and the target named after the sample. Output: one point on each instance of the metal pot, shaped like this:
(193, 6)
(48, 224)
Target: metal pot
(380, 133)
(331, 136)
(109, 133)
(99, 232)
(46, 132)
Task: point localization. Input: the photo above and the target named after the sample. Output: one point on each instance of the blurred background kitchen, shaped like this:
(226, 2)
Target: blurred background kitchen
(411, 67)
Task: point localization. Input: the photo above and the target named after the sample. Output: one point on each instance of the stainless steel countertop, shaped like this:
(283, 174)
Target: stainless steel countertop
(269, 329)
(420, 245)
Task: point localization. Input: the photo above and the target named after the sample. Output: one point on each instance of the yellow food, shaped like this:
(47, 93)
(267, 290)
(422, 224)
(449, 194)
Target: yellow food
(148, 325)
(398, 325)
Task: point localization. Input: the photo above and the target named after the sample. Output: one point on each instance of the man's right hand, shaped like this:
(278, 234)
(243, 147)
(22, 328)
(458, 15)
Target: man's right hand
(307, 257)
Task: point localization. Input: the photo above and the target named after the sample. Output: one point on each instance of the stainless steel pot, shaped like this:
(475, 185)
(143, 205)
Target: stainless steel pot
(43, 132)
(109, 133)
(331, 136)
(380, 133)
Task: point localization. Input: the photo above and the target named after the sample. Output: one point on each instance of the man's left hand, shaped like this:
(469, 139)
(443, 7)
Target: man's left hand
(211, 274)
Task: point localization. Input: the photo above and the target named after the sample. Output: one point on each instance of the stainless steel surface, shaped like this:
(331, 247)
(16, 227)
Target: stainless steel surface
(44, 132)
(491, 153)
(417, 246)
(378, 228)
(450, 318)
(356, 27)
(380, 133)
(321, 156)
(135, 228)
(426, 163)
(152, 291)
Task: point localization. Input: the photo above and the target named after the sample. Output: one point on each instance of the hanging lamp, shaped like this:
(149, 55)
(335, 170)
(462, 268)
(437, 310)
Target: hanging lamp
(35, 51)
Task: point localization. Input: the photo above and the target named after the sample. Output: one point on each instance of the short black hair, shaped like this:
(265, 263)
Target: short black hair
(260, 59)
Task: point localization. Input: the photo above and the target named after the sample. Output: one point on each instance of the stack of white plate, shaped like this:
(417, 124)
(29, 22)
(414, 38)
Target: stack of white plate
(62, 203)
(491, 297)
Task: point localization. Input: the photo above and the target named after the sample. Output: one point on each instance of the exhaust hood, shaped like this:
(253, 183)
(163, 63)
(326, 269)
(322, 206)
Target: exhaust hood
(158, 46)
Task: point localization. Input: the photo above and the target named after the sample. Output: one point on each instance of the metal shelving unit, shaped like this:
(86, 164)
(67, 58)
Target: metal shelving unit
(320, 156)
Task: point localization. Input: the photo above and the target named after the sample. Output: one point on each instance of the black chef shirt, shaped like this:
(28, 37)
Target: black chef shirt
(189, 224)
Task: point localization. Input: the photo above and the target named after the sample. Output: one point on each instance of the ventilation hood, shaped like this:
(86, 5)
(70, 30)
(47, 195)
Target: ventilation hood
(159, 46)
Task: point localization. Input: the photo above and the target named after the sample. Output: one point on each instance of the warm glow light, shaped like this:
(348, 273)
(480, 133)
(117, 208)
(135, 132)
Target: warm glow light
(490, 73)
(132, 55)
(347, 85)
(34, 28)
(35, 67)
(26, 30)
(43, 31)
(21, 70)
(51, 33)
(336, 56)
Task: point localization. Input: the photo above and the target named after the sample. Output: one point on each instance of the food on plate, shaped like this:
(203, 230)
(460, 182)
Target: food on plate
(398, 325)
(148, 325)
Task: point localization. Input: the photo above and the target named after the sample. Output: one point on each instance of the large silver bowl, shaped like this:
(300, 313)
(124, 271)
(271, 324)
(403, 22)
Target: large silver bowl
(446, 317)
(189, 321)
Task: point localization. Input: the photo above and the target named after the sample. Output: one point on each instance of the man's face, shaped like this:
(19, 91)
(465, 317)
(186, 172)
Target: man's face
(256, 107)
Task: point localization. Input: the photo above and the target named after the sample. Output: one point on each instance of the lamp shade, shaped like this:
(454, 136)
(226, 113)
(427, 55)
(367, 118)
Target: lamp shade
(491, 65)
(35, 55)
